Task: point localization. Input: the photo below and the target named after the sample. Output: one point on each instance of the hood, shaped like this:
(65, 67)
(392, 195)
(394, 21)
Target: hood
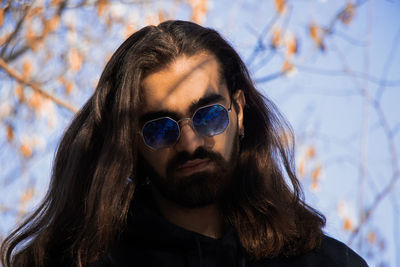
(149, 234)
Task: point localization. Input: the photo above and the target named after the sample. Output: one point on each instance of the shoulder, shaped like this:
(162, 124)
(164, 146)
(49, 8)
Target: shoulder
(335, 253)
(331, 253)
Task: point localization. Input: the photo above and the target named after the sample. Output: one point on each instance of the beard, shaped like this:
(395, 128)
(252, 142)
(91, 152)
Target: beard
(201, 188)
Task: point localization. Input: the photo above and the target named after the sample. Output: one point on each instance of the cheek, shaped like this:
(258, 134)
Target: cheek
(224, 142)
(156, 159)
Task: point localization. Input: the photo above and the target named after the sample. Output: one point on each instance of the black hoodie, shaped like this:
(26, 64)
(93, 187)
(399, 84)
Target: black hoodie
(150, 240)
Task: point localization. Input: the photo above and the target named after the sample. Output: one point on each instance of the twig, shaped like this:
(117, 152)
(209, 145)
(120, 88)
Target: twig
(15, 32)
(14, 74)
(374, 205)
(260, 40)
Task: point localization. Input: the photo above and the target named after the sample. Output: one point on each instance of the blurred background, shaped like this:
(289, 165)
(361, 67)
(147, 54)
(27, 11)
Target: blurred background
(332, 67)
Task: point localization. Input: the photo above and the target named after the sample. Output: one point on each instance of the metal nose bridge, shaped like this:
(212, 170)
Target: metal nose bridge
(186, 121)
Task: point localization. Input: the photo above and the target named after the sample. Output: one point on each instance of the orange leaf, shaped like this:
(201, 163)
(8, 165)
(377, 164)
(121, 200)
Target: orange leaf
(161, 16)
(10, 133)
(347, 15)
(75, 59)
(310, 152)
(276, 38)
(55, 3)
(291, 45)
(53, 23)
(28, 194)
(302, 164)
(287, 67)
(199, 10)
(32, 39)
(26, 150)
(68, 87)
(26, 69)
(20, 93)
(1, 16)
(280, 6)
(348, 225)
(314, 187)
(371, 237)
(129, 29)
(101, 6)
(35, 101)
(49, 26)
(316, 34)
(316, 173)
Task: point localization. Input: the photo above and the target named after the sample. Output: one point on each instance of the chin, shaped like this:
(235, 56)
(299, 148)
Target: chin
(196, 190)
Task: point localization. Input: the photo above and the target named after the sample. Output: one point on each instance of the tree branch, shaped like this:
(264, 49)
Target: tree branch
(15, 32)
(14, 74)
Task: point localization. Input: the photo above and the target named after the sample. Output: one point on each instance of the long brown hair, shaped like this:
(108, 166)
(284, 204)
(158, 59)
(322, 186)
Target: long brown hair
(86, 206)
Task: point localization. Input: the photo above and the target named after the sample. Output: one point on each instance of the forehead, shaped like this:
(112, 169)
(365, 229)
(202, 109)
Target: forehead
(184, 81)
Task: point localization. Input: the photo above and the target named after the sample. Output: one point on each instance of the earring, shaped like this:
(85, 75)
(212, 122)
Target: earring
(241, 134)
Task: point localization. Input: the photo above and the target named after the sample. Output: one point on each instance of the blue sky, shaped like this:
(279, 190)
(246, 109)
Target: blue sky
(324, 100)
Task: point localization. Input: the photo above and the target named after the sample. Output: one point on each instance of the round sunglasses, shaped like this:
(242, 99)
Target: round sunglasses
(206, 121)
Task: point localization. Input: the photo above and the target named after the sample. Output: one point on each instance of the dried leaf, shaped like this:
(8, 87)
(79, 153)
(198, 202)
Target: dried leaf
(75, 59)
(316, 34)
(287, 67)
(54, 3)
(28, 194)
(68, 87)
(35, 101)
(276, 38)
(129, 29)
(10, 133)
(347, 225)
(101, 6)
(371, 237)
(316, 173)
(20, 93)
(32, 39)
(310, 152)
(302, 168)
(291, 45)
(1, 16)
(314, 187)
(347, 15)
(26, 150)
(52, 23)
(199, 10)
(26, 69)
(161, 16)
(280, 6)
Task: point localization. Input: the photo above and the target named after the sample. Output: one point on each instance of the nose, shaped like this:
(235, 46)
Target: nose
(189, 140)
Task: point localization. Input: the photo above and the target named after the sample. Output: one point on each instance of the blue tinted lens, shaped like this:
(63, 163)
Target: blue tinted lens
(160, 133)
(211, 120)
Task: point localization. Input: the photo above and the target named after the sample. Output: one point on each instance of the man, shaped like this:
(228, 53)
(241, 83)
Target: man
(176, 160)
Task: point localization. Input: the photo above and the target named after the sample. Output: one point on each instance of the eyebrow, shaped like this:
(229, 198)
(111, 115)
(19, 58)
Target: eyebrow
(204, 101)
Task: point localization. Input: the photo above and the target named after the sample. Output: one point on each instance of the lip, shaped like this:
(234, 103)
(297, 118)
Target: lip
(193, 166)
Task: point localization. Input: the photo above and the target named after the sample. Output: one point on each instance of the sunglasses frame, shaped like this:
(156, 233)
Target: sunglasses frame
(190, 121)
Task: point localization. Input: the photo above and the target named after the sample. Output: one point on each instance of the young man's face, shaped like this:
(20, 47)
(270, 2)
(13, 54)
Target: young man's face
(196, 170)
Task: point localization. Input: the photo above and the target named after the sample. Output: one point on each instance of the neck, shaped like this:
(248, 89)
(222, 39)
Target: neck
(206, 220)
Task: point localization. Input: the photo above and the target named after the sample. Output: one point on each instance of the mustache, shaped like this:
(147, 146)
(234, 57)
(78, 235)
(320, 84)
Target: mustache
(199, 153)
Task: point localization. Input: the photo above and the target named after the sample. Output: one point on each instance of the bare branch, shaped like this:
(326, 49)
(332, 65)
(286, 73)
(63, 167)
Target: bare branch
(16, 30)
(370, 78)
(14, 74)
(374, 205)
(388, 64)
(260, 42)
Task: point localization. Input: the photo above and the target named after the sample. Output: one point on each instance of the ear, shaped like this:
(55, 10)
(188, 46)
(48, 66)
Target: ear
(240, 100)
